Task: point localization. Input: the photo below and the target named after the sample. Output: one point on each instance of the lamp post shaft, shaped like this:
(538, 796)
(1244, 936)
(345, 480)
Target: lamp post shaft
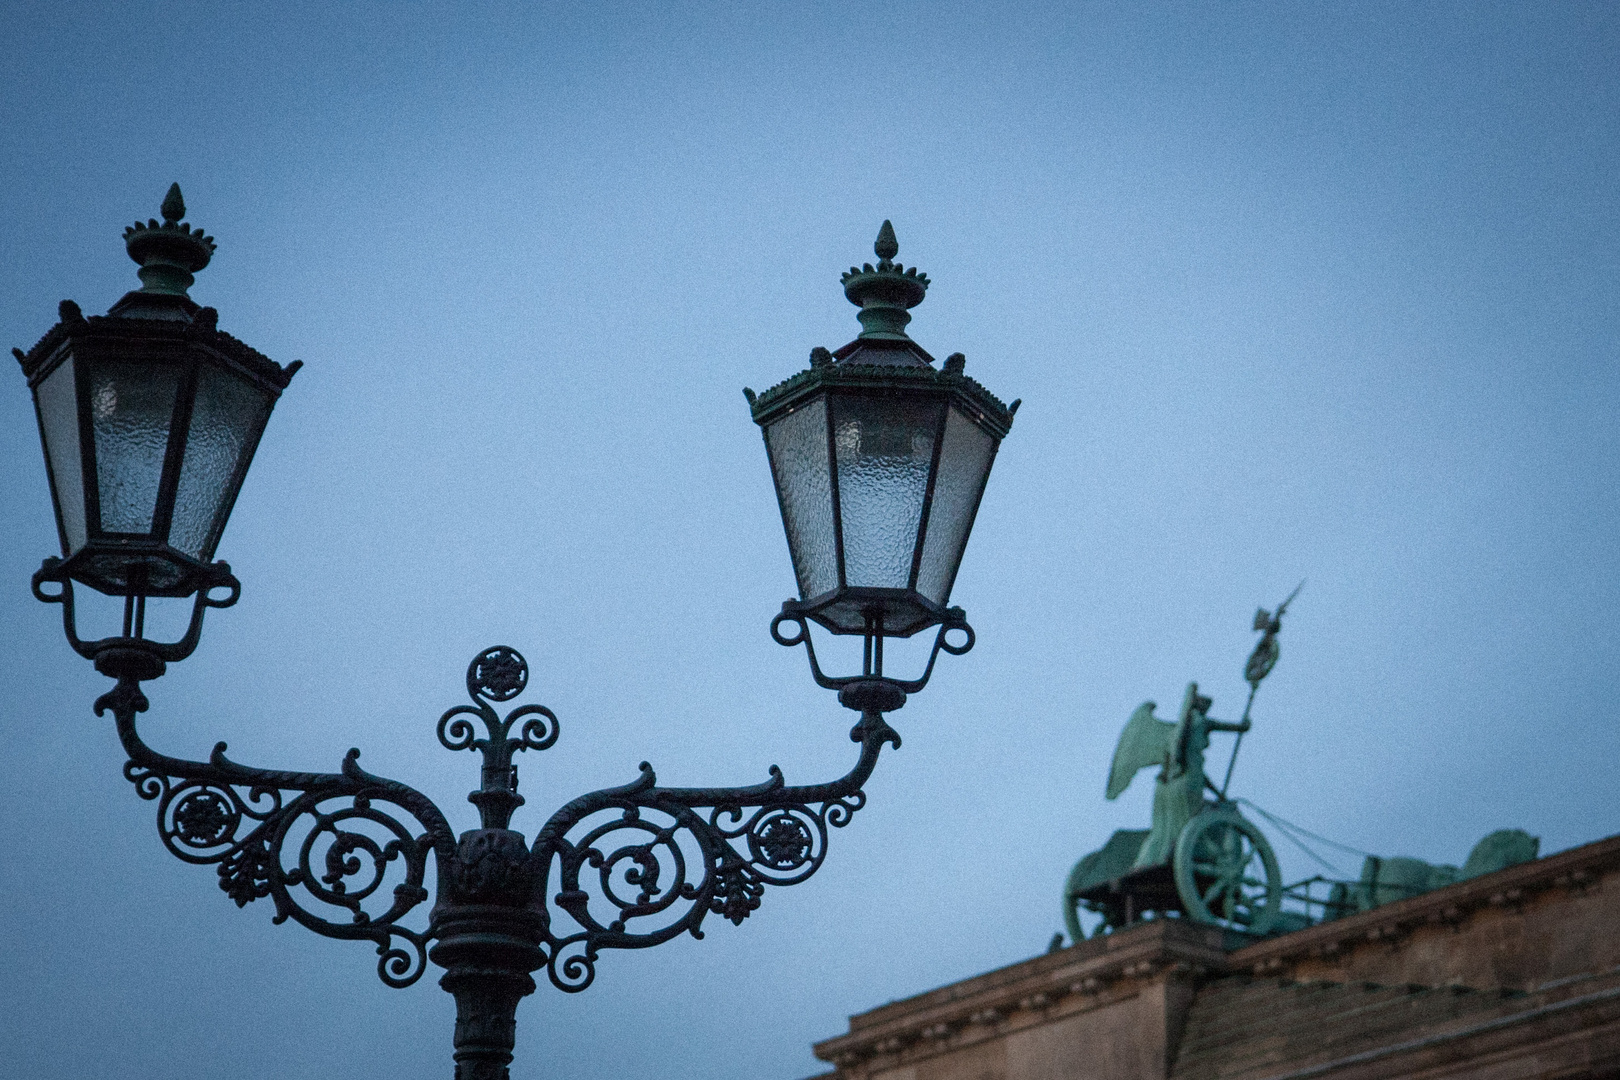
(486, 1021)
(488, 951)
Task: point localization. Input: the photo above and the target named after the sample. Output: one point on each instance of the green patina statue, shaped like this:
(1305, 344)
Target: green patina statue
(1178, 749)
(1385, 879)
(1203, 860)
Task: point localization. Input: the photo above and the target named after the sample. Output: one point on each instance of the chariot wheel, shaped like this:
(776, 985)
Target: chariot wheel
(1226, 873)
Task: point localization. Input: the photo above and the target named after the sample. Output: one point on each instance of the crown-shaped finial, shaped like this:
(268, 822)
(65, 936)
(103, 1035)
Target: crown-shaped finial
(171, 253)
(884, 292)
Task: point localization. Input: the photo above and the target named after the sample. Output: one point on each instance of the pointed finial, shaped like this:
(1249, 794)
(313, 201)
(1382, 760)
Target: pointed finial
(887, 247)
(174, 205)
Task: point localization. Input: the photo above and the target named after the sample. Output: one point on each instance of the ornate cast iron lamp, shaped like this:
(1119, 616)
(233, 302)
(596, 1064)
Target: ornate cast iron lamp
(149, 417)
(880, 459)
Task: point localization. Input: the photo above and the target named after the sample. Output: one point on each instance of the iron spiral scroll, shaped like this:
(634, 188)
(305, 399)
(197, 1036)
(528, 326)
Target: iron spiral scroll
(320, 846)
(671, 857)
(346, 854)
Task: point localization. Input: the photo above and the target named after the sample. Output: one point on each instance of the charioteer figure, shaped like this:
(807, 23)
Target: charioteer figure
(1178, 748)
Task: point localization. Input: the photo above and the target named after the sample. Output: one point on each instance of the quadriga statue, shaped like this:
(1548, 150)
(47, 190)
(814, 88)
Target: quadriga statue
(1203, 860)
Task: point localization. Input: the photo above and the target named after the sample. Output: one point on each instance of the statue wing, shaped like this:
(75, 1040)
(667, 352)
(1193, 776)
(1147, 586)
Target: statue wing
(1144, 742)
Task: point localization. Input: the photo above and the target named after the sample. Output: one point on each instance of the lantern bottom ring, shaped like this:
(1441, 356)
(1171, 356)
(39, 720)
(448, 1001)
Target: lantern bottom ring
(866, 610)
(119, 566)
(860, 692)
(121, 650)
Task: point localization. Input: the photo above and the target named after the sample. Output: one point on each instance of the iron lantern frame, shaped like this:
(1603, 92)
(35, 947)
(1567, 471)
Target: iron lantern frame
(894, 382)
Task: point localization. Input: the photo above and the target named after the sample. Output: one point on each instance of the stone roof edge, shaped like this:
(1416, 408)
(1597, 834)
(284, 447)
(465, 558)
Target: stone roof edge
(1070, 980)
(1449, 906)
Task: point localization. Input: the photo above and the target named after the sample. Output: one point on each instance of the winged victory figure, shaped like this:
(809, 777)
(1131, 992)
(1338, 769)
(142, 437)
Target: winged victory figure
(1178, 750)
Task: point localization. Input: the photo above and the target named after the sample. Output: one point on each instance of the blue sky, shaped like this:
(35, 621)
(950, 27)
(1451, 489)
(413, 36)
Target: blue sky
(1288, 291)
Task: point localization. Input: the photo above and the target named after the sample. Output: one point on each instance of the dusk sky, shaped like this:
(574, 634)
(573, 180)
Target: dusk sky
(1294, 291)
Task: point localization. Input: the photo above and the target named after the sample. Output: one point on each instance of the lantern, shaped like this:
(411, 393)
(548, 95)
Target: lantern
(880, 458)
(149, 417)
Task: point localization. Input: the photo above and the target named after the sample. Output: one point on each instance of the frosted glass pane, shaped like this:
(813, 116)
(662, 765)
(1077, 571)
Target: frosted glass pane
(59, 420)
(225, 423)
(798, 446)
(964, 461)
(131, 406)
(885, 448)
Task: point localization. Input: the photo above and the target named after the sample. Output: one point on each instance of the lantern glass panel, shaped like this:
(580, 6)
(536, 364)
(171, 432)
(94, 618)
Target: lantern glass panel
(226, 420)
(131, 410)
(885, 449)
(798, 447)
(59, 420)
(964, 463)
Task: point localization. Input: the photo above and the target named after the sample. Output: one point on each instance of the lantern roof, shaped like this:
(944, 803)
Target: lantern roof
(883, 356)
(169, 254)
(200, 328)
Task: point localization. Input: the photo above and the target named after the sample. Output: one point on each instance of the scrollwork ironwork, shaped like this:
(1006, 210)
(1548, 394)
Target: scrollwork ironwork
(311, 842)
(657, 862)
(622, 868)
(498, 674)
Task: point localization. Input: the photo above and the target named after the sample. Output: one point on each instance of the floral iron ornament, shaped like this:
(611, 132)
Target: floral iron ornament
(150, 416)
(346, 854)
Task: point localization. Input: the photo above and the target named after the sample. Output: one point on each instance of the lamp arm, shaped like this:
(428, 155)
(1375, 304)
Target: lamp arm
(627, 859)
(632, 852)
(320, 839)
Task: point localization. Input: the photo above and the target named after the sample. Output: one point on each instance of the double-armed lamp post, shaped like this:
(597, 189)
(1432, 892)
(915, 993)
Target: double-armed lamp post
(150, 416)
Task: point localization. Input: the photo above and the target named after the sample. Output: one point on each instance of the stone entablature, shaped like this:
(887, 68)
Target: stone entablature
(1243, 1028)
(1520, 967)
(1142, 972)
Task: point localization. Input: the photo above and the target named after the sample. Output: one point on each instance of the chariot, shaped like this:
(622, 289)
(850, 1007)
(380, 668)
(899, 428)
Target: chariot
(1218, 868)
(1202, 859)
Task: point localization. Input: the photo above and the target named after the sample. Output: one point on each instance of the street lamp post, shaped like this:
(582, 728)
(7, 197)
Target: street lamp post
(150, 416)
